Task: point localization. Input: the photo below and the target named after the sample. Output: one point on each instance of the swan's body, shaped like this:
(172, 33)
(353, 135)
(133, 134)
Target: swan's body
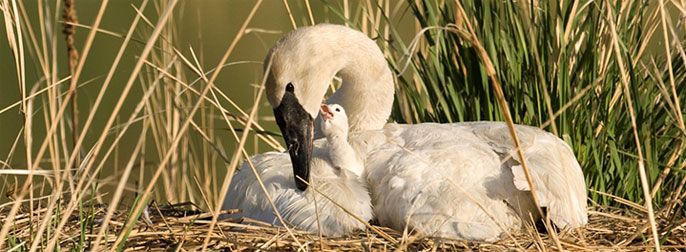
(450, 180)
(335, 173)
(458, 180)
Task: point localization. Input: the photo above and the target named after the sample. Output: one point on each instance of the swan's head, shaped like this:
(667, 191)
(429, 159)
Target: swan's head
(334, 121)
(299, 69)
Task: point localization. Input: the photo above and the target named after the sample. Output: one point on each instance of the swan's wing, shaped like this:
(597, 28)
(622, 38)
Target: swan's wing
(440, 181)
(298, 207)
(556, 174)
(331, 185)
(456, 180)
(245, 192)
(275, 170)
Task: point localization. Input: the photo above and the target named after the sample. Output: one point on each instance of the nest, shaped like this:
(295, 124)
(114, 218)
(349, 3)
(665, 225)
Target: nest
(172, 227)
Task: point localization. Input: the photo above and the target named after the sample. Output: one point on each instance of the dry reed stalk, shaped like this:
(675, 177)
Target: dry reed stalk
(309, 11)
(121, 130)
(15, 41)
(676, 196)
(270, 140)
(237, 154)
(175, 183)
(670, 68)
(243, 120)
(680, 148)
(175, 226)
(641, 168)
(290, 14)
(51, 131)
(202, 75)
(675, 98)
(119, 191)
(346, 11)
(539, 71)
(622, 201)
(495, 84)
(102, 90)
(668, 167)
(43, 57)
(168, 10)
(98, 145)
(69, 17)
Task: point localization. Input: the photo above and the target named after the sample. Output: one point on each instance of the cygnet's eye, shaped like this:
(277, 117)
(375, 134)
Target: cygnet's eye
(338, 110)
(290, 88)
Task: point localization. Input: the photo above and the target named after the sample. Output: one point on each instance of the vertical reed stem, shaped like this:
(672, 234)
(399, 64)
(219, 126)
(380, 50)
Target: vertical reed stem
(69, 16)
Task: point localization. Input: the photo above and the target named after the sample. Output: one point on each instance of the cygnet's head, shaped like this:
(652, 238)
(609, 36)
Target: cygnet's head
(335, 121)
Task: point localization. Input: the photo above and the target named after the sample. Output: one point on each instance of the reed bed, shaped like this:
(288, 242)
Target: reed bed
(180, 227)
(160, 123)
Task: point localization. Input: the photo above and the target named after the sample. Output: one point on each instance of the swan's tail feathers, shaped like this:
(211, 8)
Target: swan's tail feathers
(559, 182)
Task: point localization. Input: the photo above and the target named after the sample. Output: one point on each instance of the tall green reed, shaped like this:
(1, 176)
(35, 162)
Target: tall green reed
(558, 69)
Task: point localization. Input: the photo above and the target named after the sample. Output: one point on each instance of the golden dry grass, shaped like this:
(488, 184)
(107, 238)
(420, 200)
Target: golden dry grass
(180, 228)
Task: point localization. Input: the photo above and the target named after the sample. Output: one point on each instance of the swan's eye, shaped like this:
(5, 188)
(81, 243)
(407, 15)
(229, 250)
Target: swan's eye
(338, 110)
(290, 88)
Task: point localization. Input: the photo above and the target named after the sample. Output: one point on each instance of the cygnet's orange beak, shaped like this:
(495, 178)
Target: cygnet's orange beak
(326, 112)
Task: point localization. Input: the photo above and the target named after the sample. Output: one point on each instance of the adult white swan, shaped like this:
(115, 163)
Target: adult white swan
(450, 180)
(336, 173)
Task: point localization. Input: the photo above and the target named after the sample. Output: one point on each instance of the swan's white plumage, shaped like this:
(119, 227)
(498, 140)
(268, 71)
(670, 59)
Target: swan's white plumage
(333, 174)
(339, 51)
(460, 180)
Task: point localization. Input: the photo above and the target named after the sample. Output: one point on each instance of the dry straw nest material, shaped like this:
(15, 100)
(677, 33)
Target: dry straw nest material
(172, 227)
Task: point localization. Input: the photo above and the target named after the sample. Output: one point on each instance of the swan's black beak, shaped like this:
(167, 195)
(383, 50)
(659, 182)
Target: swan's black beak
(297, 128)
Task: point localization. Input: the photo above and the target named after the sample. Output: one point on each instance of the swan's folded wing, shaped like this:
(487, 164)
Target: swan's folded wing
(298, 207)
(555, 172)
(440, 181)
(245, 192)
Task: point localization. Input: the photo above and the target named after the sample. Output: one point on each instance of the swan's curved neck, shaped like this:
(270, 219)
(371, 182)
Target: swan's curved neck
(366, 92)
(310, 57)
